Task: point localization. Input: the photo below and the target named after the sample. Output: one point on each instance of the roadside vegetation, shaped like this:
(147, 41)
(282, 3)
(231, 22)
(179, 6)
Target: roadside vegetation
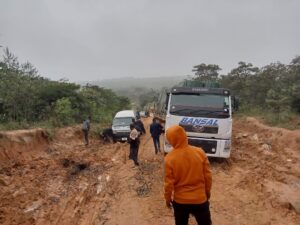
(28, 100)
(271, 93)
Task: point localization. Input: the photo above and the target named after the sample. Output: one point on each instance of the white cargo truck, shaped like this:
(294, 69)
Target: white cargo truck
(206, 116)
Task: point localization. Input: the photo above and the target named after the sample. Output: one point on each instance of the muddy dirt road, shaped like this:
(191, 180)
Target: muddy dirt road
(62, 182)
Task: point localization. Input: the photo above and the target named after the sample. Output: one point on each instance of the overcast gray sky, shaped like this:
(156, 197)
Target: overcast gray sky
(97, 39)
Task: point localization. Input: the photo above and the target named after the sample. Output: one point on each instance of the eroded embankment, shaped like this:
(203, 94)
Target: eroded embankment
(58, 182)
(22, 145)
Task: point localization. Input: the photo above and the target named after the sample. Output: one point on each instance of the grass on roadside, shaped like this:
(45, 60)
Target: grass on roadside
(284, 119)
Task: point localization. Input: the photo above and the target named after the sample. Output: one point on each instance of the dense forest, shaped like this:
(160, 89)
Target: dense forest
(27, 98)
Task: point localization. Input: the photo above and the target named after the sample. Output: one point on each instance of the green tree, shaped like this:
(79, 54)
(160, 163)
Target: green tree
(293, 81)
(10, 60)
(102, 103)
(241, 82)
(63, 112)
(150, 96)
(206, 72)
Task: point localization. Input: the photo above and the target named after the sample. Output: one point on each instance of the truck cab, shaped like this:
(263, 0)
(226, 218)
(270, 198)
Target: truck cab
(206, 116)
(121, 124)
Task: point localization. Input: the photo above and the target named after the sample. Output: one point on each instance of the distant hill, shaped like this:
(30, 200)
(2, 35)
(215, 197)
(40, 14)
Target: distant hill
(140, 91)
(156, 83)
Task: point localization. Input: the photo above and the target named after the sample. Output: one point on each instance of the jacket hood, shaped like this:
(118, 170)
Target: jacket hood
(176, 136)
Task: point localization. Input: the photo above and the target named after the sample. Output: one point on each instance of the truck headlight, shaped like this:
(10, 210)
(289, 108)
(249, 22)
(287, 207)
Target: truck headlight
(114, 131)
(227, 146)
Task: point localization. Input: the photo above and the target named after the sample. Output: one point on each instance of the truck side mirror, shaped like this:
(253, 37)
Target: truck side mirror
(167, 100)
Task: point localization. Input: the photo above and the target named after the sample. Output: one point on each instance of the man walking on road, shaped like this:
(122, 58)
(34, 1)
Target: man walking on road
(134, 142)
(139, 126)
(188, 179)
(86, 129)
(155, 130)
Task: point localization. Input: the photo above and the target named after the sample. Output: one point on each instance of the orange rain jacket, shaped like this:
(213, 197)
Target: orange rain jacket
(187, 172)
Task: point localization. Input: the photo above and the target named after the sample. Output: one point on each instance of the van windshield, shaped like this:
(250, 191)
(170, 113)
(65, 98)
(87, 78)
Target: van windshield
(122, 121)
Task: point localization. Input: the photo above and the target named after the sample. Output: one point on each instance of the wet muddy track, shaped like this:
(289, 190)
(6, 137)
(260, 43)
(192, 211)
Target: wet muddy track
(64, 182)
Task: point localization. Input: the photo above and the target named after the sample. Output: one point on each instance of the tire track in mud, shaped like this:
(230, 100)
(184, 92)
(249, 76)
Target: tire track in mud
(88, 204)
(141, 199)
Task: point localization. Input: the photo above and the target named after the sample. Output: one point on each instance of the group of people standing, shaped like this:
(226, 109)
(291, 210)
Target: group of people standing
(137, 128)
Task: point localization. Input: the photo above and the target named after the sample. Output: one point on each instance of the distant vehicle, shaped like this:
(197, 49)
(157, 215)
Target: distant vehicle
(121, 123)
(144, 113)
(137, 115)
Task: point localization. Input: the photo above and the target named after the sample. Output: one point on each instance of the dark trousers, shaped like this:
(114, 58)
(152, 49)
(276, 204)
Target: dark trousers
(200, 211)
(156, 144)
(134, 149)
(86, 136)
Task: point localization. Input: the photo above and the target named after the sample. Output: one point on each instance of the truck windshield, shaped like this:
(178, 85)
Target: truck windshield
(122, 121)
(208, 105)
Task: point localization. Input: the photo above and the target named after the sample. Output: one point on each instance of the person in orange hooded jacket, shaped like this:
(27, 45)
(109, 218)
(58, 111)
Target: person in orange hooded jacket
(188, 179)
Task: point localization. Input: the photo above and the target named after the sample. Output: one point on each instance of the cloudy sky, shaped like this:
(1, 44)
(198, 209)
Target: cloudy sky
(97, 39)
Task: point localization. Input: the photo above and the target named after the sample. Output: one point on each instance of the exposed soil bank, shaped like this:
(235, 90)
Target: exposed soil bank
(22, 145)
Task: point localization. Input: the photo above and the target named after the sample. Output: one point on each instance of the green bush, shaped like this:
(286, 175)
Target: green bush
(63, 112)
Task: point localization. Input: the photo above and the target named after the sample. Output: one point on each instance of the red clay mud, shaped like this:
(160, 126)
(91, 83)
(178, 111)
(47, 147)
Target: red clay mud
(67, 183)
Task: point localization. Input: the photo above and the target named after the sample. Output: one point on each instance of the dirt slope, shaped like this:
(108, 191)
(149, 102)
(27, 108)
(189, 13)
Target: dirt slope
(66, 183)
(261, 179)
(22, 144)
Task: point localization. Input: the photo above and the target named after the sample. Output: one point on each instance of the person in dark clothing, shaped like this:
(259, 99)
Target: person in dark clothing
(134, 142)
(140, 126)
(137, 115)
(106, 135)
(147, 114)
(156, 129)
(86, 129)
(200, 211)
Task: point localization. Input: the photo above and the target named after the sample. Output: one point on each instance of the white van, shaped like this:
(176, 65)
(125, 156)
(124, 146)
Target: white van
(121, 123)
